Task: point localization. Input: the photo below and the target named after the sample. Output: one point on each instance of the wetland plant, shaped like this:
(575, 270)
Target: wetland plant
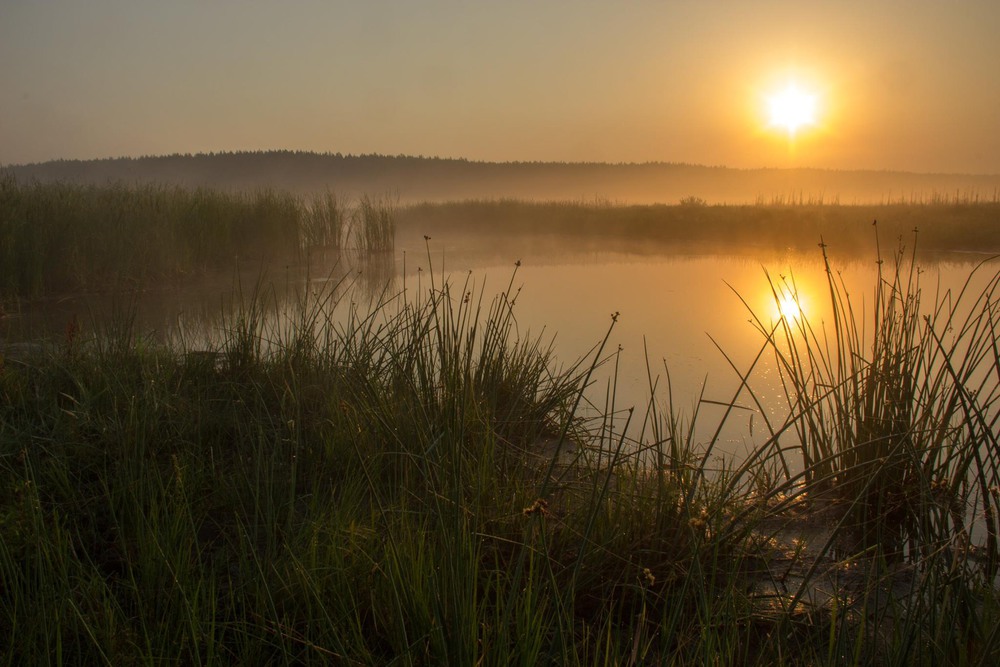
(375, 224)
(60, 237)
(895, 410)
(371, 486)
(364, 486)
(324, 222)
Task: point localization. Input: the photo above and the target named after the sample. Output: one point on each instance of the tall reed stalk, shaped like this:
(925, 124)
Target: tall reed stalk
(375, 224)
(895, 409)
(324, 483)
(58, 237)
(325, 222)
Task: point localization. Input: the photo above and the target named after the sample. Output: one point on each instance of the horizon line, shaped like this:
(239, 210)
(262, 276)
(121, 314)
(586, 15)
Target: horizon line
(434, 158)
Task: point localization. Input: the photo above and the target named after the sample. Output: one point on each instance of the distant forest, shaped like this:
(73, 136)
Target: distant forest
(424, 179)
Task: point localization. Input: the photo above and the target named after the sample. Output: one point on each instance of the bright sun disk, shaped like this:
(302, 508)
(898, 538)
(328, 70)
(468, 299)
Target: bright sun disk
(792, 109)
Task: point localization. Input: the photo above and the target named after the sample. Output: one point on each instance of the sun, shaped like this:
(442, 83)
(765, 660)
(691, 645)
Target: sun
(792, 109)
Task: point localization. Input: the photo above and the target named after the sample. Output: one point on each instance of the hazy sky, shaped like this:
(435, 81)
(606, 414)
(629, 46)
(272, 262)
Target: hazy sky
(905, 84)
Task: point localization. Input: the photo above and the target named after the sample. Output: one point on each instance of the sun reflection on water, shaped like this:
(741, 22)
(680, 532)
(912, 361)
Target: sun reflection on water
(787, 302)
(789, 307)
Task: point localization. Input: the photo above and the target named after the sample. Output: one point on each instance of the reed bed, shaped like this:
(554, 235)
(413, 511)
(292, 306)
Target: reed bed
(375, 221)
(58, 237)
(892, 444)
(894, 407)
(773, 226)
(368, 489)
(414, 483)
(325, 222)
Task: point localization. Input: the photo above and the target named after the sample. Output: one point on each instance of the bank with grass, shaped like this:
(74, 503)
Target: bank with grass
(416, 484)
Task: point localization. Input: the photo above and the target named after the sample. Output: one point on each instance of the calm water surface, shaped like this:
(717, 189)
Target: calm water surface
(689, 315)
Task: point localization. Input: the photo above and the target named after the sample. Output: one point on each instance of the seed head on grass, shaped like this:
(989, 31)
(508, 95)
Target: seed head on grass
(540, 507)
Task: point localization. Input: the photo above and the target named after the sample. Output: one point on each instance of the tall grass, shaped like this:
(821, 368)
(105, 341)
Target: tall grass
(369, 488)
(893, 414)
(343, 485)
(59, 237)
(375, 224)
(325, 222)
(64, 237)
(895, 410)
(774, 226)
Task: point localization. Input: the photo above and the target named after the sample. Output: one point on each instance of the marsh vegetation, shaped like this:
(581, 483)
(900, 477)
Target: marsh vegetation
(421, 482)
(59, 237)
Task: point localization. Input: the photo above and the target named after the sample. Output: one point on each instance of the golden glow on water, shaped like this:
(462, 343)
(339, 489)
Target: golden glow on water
(789, 307)
(790, 298)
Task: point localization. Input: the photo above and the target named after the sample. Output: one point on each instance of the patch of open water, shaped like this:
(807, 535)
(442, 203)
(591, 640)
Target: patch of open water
(694, 318)
(684, 324)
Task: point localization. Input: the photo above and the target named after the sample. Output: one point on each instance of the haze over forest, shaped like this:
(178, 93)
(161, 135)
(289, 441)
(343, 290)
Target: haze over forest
(420, 179)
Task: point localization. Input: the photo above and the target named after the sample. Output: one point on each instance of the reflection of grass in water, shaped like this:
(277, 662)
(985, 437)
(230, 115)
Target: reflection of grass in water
(380, 488)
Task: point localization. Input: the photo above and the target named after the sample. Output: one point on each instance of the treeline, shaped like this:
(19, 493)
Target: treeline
(417, 179)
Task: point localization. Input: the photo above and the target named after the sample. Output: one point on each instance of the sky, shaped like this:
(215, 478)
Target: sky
(904, 85)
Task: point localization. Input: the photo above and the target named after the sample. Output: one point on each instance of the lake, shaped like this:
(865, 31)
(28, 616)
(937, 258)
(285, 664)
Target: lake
(687, 314)
(691, 316)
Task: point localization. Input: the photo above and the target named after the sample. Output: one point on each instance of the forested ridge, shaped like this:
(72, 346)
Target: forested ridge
(419, 178)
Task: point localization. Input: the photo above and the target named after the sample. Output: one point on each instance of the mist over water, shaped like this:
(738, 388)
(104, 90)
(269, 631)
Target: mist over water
(415, 180)
(682, 329)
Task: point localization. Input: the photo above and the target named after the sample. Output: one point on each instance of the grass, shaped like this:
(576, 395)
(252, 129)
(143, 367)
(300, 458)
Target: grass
(895, 410)
(58, 237)
(892, 443)
(771, 227)
(375, 220)
(366, 491)
(325, 222)
(413, 483)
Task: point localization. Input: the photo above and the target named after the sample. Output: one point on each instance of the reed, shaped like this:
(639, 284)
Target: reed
(373, 485)
(57, 237)
(892, 410)
(325, 222)
(895, 409)
(375, 224)
(770, 227)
